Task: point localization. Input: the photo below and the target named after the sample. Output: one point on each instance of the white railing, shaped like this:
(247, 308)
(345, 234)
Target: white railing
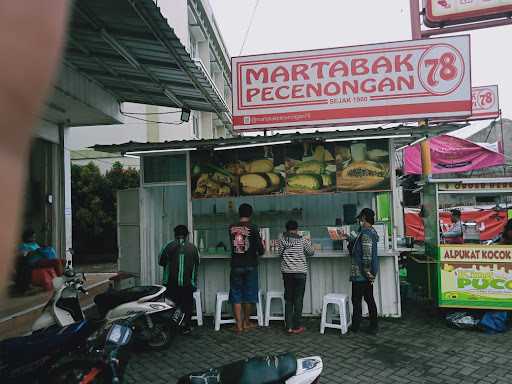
(201, 66)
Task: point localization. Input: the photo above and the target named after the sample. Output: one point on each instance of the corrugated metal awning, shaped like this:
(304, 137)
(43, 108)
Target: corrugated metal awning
(403, 134)
(129, 48)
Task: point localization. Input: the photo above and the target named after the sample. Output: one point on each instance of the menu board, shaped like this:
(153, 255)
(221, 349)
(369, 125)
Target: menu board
(297, 168)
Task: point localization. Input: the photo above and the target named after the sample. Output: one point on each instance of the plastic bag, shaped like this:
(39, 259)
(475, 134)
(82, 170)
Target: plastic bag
(462, 320)
(494, 322)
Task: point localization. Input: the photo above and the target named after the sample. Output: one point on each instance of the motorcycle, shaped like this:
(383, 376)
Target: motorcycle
(106, 360)
(29, 358)
(63, 308)
(285, 368)
(155, 330)
(162, 318)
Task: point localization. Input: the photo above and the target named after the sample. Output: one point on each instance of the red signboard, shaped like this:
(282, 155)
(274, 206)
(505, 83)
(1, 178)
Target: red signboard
(400, 81)
(485, 103)
(448, 12)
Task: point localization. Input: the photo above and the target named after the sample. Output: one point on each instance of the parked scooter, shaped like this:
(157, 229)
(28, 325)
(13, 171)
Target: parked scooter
(286, 369)
(28, 359)
(63, 308)
(155, 330)
(162, 318)
(106, 360)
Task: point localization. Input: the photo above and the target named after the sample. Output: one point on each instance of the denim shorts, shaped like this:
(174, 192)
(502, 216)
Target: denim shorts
(243, 285)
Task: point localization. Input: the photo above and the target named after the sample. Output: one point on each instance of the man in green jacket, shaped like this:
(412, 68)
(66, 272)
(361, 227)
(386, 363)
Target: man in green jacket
(180, 260)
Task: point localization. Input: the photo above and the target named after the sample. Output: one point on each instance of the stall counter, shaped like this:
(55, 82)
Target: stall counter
(328, 273)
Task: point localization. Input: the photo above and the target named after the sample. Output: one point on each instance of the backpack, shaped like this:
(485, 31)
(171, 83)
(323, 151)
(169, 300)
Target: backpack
(494, 322)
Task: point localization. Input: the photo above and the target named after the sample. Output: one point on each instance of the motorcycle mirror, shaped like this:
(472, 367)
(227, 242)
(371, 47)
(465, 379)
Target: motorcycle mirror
(83, 276)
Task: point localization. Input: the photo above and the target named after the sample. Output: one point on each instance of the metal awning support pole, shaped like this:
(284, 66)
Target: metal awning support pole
(426, 164)
(415, 19)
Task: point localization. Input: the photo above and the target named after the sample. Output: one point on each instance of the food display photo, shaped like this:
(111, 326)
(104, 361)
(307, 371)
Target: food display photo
(310, 168)
(261, 170)
(213, 175)
(254, 171)
(362, 166)
(298, 168)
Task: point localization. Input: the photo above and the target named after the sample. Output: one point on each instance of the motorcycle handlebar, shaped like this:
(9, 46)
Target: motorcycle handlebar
(83, 290)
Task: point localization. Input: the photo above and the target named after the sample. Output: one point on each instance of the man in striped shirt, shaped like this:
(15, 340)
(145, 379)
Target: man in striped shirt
(293, 250)
(180, 260)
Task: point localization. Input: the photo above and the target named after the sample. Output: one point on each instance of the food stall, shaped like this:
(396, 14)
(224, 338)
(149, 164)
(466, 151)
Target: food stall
(321, 180)
(478, 273)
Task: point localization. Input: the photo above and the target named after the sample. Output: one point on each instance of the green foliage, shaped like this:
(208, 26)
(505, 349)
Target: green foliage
(94, 203)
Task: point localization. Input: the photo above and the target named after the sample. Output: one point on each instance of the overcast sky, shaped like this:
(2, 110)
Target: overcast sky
(287, 25)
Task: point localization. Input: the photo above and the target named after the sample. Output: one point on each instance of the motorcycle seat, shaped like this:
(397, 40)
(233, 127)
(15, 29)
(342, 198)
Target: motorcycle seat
(112, 298)
(257, 370)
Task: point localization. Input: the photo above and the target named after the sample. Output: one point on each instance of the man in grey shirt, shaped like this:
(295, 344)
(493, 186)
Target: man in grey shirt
(454, 234)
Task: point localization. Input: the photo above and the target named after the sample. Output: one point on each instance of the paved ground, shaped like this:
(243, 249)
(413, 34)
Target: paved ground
(419, 348)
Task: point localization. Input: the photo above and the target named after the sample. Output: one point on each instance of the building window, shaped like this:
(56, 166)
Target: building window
(164, 169)
(193, 47)
(195, 125)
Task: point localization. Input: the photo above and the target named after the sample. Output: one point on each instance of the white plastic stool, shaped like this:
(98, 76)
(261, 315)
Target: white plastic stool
(199, 309)
(273, 295)
(342, 302)
(259, 309)
(221, 298)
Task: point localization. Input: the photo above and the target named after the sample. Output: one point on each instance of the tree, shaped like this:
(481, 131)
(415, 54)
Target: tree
(94, 203)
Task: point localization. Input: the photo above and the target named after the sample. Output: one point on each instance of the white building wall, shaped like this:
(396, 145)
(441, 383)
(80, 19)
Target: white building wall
(206, 125)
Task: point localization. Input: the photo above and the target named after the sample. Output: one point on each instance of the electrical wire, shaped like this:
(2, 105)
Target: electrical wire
(249, 27)
(152, 121)
(79, 156)
(148, 113)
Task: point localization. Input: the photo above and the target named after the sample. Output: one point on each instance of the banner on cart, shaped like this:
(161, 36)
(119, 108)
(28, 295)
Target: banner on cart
(295, 168)
(490, 222)
(491, 187)
(451, 154)
(446, 12)
(474, 276)
(398, 81)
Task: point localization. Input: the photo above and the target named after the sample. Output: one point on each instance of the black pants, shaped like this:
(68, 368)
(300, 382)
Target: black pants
(360, 290)
(294, 287)
(183, 297)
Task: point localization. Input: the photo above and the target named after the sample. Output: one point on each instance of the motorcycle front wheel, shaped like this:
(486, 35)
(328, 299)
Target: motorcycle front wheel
(160, 337)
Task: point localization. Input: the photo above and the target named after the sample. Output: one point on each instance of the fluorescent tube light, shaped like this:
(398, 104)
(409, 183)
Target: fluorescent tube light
(132, 156)
(160, 151)
(418, 141)
(251, 145)
(413, 143)
(368, 138)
